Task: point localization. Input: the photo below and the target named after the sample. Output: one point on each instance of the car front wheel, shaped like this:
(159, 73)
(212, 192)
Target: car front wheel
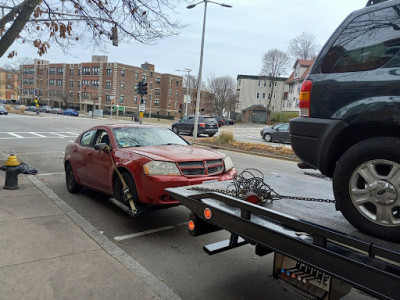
(175, 129)
(72, 185)
(366, 184)
(119, 190)
(267, 137)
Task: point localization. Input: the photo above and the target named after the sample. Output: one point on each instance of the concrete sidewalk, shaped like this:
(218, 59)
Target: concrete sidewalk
(48, 251)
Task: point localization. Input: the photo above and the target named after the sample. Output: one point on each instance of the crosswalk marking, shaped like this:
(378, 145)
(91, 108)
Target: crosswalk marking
(36, 135)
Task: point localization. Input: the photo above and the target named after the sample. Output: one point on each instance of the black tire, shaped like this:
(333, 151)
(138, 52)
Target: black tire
(267, 137)
(175, 129)
(72, 185)
(118, 190)
(365, 187)
(211, 134)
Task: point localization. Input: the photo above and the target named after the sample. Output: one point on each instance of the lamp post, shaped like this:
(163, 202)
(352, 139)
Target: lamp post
(196, 119)
(187, 89)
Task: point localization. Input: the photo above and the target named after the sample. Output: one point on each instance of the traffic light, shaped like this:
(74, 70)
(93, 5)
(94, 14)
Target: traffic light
(144, 88)
(142, 101)
(140, 87)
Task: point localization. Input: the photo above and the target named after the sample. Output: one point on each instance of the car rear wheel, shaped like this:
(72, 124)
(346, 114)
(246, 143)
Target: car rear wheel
(72, 185)
(211, 134)
(267, 137)
(175, 129)
(366, 184)
(119, 191)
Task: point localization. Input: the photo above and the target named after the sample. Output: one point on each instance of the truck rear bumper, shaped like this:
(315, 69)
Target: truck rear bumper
(313, 140)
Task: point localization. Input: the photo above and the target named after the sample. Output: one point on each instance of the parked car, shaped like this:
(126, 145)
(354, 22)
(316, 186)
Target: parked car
(349, 126)
(276, 133)
(229, 121)
(220, 120)
(31, 108)
(206, 125)
(70, 112)
(3, 110)
(150, 159)
(56, 110)
(45, 108)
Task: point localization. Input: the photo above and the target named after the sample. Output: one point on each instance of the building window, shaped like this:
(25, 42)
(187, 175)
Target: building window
(71, 72)
(135, 100)
(144, 78)
(52, 71)
(258, 95)
(176, 94)
(60, 71)
(177, 83)
(259, 83)
(176, 104)
(79, 72)
(59, 82)
(31, 81)
(86, 71)
(263, 96)
(170, 82)
(71, 83)
(71, 94)
(121, 99)
(151, 74)
(122, 86)
(108, 72)
(157, 92)
(156, 102)
(170, 92)
(108, 98)
(52, 82)
(169, 103)
(108, 85)
(86, 83)
(158, 80)
(136, 75)
(122, 73)
(85, 95)
(95, 83)
(79, 83)
(25, 81)
(25, 71)
(95, 70)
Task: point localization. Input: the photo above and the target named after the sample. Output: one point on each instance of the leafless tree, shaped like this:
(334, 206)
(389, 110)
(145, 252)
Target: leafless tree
(14, 65)
(223, 91)
(303, 46)
(274, 63)
(42, 23)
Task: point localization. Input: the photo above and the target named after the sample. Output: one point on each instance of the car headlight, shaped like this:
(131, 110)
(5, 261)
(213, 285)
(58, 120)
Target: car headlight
(160, 168)
(228, 163)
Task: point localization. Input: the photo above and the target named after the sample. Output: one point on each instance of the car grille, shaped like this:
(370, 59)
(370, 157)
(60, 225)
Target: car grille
(199, 168)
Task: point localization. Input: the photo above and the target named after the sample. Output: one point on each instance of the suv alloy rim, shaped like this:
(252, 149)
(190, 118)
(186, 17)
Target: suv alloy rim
(374, 190)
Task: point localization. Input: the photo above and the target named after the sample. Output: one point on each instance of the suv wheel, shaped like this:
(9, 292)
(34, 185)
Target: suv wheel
(175, 129)
(366, 184)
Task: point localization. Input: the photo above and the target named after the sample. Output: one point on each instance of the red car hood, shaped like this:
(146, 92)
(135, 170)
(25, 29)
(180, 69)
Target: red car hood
(177, 153)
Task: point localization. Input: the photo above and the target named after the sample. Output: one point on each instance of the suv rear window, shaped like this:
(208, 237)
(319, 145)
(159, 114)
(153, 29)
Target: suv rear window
(367, 43)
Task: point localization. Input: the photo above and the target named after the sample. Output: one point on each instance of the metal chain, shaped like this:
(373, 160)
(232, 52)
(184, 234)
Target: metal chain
(246, 182)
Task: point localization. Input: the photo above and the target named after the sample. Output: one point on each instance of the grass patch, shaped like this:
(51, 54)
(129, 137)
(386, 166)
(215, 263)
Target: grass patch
(225, 137)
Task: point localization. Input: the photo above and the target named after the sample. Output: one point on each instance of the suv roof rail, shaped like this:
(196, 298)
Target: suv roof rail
(372, 2)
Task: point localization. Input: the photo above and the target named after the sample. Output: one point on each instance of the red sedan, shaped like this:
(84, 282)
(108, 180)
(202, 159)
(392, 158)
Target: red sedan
(150, 159)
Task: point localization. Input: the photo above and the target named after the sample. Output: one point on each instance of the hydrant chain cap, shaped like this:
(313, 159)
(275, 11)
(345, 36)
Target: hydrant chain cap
(12, 161)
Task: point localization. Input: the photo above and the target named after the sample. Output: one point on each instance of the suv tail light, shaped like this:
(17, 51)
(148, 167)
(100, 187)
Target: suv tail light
(202, 124)
(305, 95)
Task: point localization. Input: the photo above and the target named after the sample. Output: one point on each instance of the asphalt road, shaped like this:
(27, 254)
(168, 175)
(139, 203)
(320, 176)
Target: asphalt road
(159, 240)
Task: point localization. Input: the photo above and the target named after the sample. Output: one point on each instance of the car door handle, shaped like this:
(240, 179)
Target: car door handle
(90, 154)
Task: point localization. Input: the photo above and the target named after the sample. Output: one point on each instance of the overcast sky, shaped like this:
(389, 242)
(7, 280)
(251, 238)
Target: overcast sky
(235, 38)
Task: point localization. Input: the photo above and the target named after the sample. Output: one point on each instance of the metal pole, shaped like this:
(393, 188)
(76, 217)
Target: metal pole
(196, 118)
(187, 93)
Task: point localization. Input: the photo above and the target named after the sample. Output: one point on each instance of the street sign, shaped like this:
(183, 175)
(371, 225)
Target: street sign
(142, 107)
(186, 99)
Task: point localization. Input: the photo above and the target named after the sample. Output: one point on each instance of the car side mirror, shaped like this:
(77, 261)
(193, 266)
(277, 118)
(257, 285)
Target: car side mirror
(103, 147)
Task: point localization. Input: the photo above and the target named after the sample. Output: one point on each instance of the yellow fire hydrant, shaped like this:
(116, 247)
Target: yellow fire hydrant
(13, 168)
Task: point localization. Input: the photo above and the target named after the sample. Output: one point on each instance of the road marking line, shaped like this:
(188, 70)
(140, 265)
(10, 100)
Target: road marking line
(50, 174)
(133, 235)
(37, 134)
(16, 135)
(59, 134)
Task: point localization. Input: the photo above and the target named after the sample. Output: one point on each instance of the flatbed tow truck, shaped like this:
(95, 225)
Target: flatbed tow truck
(316, 261)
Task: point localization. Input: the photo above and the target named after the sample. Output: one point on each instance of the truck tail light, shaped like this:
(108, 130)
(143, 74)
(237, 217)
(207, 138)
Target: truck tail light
(305, 95)
(207, 213)
(191, 225)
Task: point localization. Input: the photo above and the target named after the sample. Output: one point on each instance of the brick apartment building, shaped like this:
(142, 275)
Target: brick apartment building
(8, 85)
(99, 84)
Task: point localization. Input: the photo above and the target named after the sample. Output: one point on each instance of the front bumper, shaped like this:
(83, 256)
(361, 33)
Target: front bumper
(152, 191)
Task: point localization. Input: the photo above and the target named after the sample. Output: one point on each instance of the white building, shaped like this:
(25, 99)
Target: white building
(258, 91)
(301, 69)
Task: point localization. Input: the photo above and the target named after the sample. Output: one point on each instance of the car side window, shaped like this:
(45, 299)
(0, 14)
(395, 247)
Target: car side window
(102, 137)
(367, 43)
(87, 138)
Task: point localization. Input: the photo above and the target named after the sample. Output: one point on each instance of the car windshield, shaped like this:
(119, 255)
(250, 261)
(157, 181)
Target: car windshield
(149, 136)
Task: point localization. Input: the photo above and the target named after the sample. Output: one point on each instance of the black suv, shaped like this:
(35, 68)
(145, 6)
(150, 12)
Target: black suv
(207, 125)
(349, 124)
